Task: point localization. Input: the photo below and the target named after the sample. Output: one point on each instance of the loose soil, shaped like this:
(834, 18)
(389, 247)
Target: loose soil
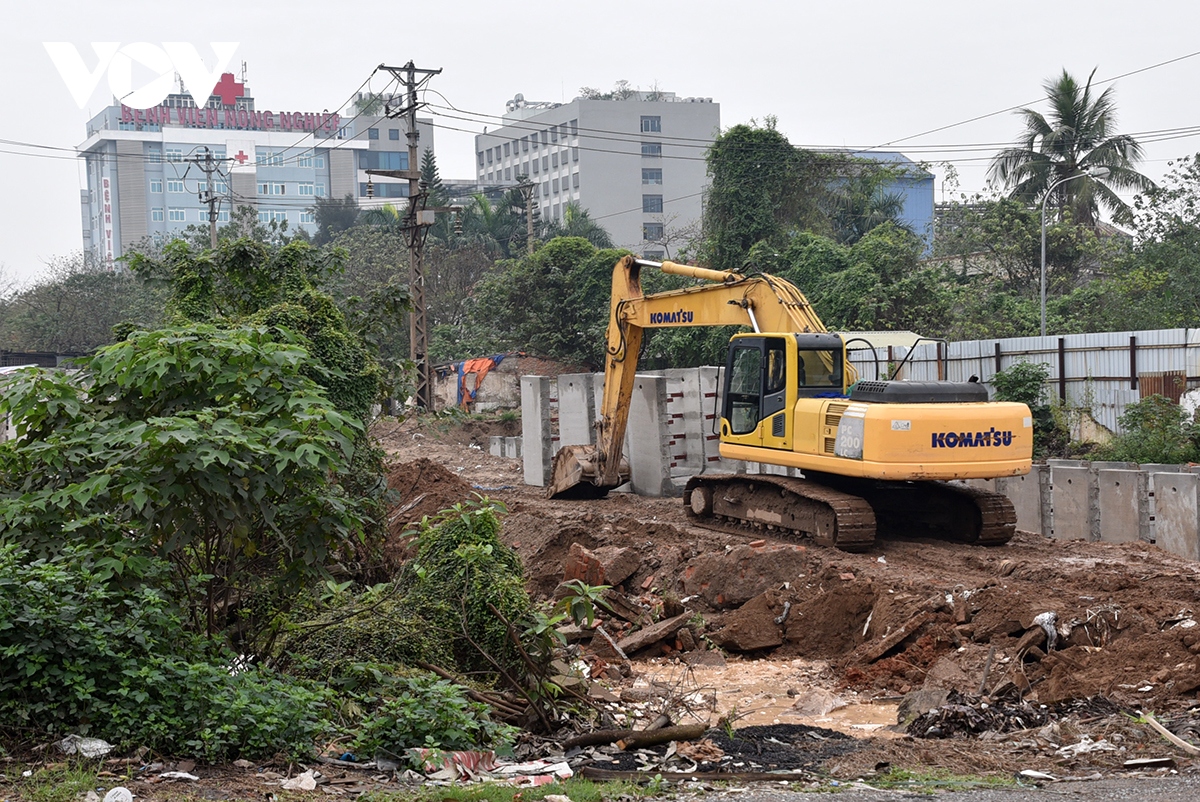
(1128, 608)
(1130, 611)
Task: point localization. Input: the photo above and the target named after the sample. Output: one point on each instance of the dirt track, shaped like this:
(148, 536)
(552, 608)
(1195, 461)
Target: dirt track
(1125, 614)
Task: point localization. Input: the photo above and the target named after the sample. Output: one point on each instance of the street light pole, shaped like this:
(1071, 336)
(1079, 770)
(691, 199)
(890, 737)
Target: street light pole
(1098, 172)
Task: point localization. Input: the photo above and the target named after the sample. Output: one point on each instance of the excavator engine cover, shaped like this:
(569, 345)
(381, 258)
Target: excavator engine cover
(896, 392)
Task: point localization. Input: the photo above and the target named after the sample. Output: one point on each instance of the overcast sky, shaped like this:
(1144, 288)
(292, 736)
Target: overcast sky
(854, 74)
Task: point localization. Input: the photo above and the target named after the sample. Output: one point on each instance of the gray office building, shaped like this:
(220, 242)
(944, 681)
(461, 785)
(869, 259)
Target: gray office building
(142, 182)
(636, 164)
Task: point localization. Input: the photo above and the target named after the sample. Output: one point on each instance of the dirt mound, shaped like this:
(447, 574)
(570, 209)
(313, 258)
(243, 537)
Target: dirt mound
(421, 488)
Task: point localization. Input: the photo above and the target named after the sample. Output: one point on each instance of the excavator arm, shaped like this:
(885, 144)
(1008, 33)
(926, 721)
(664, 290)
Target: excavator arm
(765, 303)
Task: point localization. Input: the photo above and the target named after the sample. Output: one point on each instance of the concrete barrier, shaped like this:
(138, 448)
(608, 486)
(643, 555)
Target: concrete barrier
(1030, 497)
(1075, 503)
(576, 410)
(535, 429)
(1178, 517)
(1124, 505)
(649, 453)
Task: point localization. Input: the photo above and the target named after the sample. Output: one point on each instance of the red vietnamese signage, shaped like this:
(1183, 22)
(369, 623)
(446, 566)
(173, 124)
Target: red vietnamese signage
(231, 118)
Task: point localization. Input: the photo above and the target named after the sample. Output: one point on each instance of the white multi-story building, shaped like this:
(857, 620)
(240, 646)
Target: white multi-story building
(142, 183)
(635, 164)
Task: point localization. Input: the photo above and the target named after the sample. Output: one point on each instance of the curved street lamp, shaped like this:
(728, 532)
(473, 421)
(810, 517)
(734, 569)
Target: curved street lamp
(1095, 172)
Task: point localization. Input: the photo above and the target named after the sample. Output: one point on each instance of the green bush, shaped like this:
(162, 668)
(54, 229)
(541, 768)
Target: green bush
(462, 570)
(1025, 383)
(85, 649)
(429, 712)
(1155, 429)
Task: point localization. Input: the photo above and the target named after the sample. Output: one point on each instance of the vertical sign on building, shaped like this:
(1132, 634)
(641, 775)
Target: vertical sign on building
(106, 211)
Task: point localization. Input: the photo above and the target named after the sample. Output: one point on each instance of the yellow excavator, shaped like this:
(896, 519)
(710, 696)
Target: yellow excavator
(875, 456)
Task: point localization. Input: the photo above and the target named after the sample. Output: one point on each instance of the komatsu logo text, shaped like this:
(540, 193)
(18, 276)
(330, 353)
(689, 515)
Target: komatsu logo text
(680, 316)
(991, 437)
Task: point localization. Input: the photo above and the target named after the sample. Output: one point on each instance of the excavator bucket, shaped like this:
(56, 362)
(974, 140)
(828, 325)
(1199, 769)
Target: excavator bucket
(576, 474)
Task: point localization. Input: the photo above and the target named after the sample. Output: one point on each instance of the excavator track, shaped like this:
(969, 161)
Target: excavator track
(782, 506)
(940, 510)
(848, 513)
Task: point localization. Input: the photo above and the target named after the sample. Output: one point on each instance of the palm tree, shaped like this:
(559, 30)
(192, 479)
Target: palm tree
(577, 222)
(1078, 135)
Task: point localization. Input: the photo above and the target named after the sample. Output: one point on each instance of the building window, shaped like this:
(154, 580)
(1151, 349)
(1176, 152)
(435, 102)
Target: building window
(651, 148)
(524, 144)
(276, 158)
(222, 188)
(507, 173)
(175, 186)
(307, 217)
(652, 204)
(156, 185)
(306, 187)
(652, 125)
(155, 154)
(556, 186)
(270, 188)
(260, 157)
(393, 134)
(574, 127)
(546, 190)
(384, 190)
(533, 140)
(554, 159)
(223, 216)
(655, 255)
(535, 166)
(545, 162)
(652, 232)
(372, 133)
(574, 154)
(272, 216)
(305, 160)
(651, 175)
(489, 155)
(575, 180)
(382, 160)
(319, 162)
(481, 158)
(506, 150)
(174, 154)
(176, 215)
(554, 133)
(156, 215)
(319, 190)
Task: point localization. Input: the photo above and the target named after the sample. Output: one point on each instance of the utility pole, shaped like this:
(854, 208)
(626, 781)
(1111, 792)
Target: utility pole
(527, 187)
(416, 225)
(208, 165)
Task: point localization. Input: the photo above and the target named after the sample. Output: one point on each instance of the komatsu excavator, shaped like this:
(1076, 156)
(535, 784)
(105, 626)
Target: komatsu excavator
(874, 455)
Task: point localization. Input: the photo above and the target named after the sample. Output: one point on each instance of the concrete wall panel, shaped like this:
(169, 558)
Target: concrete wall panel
(535, 429)
(576, 410)
(1124, 505)
(1178, 518)
(1025, 492)
(1075, 501)
(649, 454)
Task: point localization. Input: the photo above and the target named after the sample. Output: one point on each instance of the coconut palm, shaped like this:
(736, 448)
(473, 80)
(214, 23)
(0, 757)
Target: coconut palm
(1078, 135)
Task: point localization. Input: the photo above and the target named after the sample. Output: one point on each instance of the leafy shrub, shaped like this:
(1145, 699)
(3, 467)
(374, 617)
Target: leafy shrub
(432, 713)
(85, 649)
(1155, 429)
(207, 447)
(1025, 383)
(438, 611)
(462, 570)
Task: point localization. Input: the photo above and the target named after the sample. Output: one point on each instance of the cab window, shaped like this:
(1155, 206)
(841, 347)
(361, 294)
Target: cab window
(819, 370)
(745, 383)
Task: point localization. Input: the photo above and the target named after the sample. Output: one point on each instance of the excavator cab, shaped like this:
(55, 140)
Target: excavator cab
(766, 373)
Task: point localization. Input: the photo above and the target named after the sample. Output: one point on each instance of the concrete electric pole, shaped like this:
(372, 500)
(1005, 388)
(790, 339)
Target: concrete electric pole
(416, 225)
(209, 166)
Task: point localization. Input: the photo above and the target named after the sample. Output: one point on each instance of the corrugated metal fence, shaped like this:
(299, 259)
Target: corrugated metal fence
(1103, 371)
